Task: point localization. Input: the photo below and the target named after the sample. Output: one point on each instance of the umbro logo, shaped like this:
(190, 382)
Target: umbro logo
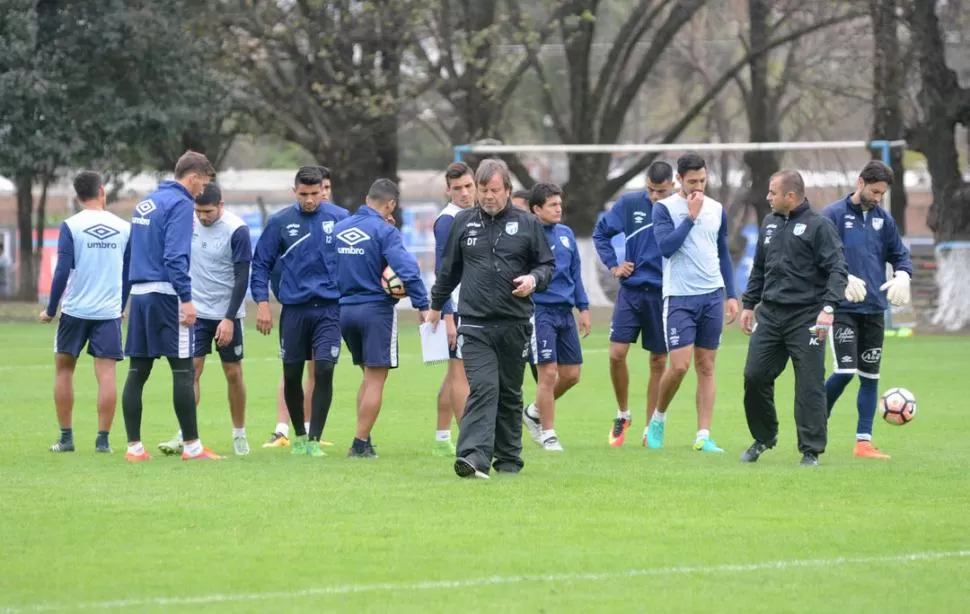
(145, 207)
(353, 236)
(101, 232)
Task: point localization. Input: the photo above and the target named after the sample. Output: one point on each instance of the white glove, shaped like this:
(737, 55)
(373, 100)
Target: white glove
(897, 288)
(855, 290)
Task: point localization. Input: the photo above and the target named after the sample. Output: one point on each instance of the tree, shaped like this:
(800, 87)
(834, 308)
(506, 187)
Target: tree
(599, 97)
(326, 76)
(942, 104)
(33, 145)
(889, 71)
(102, 85)
(794, 90)
(473, 56)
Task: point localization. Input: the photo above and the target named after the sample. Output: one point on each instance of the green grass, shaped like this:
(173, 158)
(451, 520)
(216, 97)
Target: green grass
(601, 529)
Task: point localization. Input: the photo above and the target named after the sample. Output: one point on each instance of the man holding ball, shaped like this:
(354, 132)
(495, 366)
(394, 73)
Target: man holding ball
(366, 244)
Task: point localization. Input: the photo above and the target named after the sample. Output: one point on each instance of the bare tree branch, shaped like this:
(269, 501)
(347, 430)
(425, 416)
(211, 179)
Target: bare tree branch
(694, 111)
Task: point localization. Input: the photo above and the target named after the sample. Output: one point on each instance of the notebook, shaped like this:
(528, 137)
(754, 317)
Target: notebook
(434, 345)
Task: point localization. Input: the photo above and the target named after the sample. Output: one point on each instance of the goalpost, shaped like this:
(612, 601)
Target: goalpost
(830, 178)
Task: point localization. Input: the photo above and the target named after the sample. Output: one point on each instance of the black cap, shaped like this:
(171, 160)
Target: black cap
(212, 195)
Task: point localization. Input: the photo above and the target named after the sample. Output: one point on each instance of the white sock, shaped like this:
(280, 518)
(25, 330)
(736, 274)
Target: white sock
(623, 413)
(532, 411)
(283, 429)
(659, 416)
(238, 432)
(442, 435)
(306, 427)
(136, 448)
(703, 434)
(194, 448)
(863, 437)
(546, 434)
(179, 436)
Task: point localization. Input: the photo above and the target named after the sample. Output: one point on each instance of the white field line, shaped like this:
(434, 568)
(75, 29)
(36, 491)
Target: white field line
(487, 581)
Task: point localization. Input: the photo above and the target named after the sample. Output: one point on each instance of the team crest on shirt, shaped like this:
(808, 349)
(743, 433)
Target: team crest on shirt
(877, 223)
(328, 227)
(564, 241)
(334, 351)
(511, 228)
(799, 230)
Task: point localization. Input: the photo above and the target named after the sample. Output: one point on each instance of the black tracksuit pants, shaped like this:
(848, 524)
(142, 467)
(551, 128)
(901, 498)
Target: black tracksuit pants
(783, 332)
(494, 356)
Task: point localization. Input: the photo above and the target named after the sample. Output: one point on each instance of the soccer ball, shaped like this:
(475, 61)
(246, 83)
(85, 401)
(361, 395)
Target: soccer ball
(898, 406)
(392, 284)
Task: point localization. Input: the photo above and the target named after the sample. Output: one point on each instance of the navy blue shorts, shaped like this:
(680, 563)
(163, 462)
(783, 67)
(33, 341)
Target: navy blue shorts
(103, 337)
(639, 311)
(154, 329)
(555, 338)
(310, 331)
(454, 353)
(370, 332)
(694, 320)
(205, 340)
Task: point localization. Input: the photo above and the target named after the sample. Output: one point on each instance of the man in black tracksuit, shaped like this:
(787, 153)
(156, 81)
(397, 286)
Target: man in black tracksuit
(500, 256)
(799, 277)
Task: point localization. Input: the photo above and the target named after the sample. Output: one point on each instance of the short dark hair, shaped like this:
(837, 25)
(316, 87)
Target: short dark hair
(211, 195)
(489, 167)
(660, 172)
(384, 190)
(541, 192)
(791, 181)
(309, 175)
(87, 185)
(457, 170)
(875, 172)
(525, 195)
(194, 162)
(325, 173)
(690, 162)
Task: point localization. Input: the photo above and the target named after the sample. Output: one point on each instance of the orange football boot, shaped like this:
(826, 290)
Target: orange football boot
(865, 449)
(205, 454)
(138, 458)
(618, 432)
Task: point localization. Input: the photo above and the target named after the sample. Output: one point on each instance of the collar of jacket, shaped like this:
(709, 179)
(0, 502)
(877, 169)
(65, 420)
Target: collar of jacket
(178, 186)
(501, 213)
(797, 211)
(854, 207)
(366, 210)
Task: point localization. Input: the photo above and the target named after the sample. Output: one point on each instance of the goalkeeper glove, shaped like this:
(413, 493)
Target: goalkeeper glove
(855, 290)
(897, 288)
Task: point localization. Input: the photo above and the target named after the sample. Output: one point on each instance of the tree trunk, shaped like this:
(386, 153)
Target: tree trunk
(357, 166)
(887, 122)
(25, 210)
(583, 193)
(762, 119)
(40, 221)
(943, 103)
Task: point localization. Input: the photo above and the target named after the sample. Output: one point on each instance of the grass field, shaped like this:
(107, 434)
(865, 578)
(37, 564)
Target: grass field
(592, 529)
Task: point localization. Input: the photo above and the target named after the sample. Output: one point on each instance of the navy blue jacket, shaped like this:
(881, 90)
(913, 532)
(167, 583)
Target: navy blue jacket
(870, 242)
(161, 238)
(366, 244)
(566, 286)
(631, 215)
(304, 244)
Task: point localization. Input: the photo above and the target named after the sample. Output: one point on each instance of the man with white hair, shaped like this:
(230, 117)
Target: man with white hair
(500, 256)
